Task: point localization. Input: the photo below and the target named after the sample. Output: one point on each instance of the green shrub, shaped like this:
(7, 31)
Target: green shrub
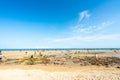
(45, 60)
(31, 61)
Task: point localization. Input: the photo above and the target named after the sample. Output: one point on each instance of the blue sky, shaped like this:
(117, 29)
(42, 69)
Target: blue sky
(59, 23)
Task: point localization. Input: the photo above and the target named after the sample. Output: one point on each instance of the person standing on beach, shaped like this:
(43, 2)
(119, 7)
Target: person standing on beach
(1, 56)
(96, 56)
(40, 54)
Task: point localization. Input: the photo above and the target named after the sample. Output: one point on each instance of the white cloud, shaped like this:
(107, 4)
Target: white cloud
(76, 39)
(83, 15)
(82, 28)
(84, 34)
(80, 41)
(78, 32)
(80, 35)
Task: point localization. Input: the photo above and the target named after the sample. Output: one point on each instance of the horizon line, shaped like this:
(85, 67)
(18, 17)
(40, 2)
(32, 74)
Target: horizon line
(5, 49)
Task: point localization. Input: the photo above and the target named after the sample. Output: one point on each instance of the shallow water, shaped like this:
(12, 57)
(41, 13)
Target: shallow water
(118, 55)
(12, 61)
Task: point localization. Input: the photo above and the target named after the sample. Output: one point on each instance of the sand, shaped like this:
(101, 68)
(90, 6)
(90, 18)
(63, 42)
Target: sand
(21, 54)
(37, 72)
(55, 72)
(19, 74)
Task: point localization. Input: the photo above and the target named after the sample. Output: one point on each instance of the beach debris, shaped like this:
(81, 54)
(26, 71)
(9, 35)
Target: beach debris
(118, 67)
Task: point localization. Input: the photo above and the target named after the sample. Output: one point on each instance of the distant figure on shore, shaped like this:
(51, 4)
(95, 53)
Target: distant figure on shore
(40, 53)
(0, 52)
(31, 56)
(26, 52)
(35, 53)
(1, 56)
(96, 56)
(115, 51)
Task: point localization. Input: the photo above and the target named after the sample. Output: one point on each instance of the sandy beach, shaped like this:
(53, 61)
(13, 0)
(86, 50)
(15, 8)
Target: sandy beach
(37, 72)
(77, 65)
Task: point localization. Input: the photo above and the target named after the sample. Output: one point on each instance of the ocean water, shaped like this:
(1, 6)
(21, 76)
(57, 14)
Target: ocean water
(22, 49)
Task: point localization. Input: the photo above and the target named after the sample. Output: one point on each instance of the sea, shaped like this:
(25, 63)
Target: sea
(51, 49)
(22, 49)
